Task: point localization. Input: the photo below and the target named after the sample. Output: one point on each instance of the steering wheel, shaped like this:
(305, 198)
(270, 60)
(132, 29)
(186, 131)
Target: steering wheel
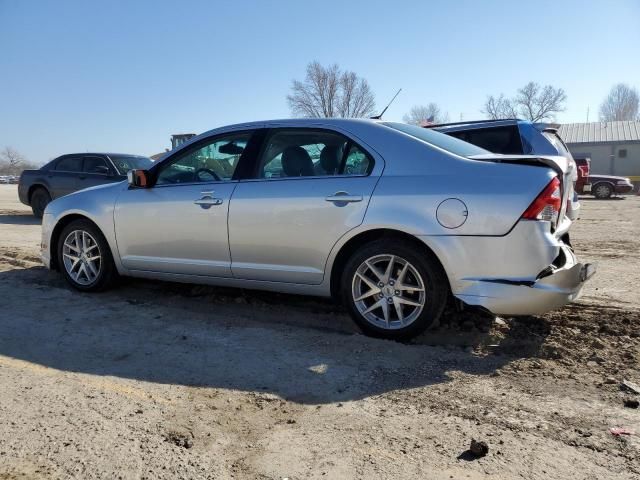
(207, 170)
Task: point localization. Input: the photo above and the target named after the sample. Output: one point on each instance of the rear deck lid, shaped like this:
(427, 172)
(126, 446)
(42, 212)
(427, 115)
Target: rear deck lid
(563, 166)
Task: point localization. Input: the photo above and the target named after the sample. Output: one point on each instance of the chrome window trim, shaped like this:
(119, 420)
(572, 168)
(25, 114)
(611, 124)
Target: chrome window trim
(214, 182)
(314, 177)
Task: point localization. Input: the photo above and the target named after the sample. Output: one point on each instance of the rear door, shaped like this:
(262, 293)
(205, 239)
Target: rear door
(63, 177)
(310, 187)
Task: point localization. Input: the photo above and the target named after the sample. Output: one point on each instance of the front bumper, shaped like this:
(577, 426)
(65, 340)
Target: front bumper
(555, 286)
(622, 189)
(45, 240)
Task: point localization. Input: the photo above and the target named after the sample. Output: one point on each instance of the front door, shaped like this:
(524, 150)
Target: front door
(310, 188)
(179, 225)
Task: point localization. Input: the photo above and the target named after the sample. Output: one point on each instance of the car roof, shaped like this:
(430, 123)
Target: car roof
(477, 124)
(292, 122)
(109, 154)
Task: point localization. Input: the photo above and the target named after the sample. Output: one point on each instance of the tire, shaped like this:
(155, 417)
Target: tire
(83, 237)
(361, 289)
(602, 191)
(40, 198)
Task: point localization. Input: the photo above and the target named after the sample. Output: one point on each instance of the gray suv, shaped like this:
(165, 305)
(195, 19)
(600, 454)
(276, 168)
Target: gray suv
(514, 137)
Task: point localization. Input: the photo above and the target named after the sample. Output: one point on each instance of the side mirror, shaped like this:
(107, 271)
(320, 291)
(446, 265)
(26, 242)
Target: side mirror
(102, 169)
(138, 178)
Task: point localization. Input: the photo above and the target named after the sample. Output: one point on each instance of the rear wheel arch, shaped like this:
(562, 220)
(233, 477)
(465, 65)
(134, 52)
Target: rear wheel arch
(35, 187)
(368, 236)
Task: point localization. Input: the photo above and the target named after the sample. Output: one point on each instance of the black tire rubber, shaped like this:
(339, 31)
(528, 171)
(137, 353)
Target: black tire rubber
(40, 198)
(435, 279)
(108, 273)
(602, 196)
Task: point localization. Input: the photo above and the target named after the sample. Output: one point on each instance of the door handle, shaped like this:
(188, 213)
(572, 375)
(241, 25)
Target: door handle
(207, 200)
(343, 197)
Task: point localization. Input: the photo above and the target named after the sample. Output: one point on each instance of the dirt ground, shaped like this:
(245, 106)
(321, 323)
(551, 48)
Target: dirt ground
(158, 380)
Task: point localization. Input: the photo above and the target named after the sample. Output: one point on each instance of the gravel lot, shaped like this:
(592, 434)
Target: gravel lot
(158, 380)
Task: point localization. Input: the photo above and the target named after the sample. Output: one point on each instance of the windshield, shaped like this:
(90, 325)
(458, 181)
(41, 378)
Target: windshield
(124, 163)
(438, 139)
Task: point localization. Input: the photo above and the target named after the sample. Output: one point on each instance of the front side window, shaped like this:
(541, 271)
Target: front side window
(212, 162)
(95, 165)
(69, 164)
(311, 153)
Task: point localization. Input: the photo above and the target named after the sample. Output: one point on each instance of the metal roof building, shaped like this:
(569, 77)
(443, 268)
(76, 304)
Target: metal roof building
(601, 132)
(614, 147)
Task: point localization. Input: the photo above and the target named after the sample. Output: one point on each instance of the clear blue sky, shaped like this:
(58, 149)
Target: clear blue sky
(123, 75)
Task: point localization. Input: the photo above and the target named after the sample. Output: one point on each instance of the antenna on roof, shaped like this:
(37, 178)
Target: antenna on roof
(379, 117)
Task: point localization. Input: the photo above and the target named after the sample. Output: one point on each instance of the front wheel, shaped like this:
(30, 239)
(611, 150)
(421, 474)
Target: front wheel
(394, 290)
(84, 257)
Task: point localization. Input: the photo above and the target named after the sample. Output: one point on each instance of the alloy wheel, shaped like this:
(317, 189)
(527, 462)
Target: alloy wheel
(81, 257)
(388, 291)
(603, 191)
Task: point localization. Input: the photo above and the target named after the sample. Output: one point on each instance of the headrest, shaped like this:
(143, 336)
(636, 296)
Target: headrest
(296, 162)
(330, 159)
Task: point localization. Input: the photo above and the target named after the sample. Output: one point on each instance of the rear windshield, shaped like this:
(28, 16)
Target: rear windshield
(124, 163)
(438, 139)
(505, 140)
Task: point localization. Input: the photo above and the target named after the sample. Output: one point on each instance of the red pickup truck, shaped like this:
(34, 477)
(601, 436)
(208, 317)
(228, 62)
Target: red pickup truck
(600, 186)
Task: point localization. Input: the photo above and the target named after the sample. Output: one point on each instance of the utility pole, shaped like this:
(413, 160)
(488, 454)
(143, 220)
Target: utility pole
(587, 113)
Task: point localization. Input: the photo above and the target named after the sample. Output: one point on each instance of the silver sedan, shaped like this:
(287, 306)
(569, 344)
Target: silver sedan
(391, 219)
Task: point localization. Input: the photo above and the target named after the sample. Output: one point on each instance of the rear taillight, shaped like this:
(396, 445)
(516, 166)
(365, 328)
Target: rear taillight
(584, 170)
(547, 205)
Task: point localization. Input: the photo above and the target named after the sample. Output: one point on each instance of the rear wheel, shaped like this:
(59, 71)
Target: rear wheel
(602, 191)
(85, 258)
(393, 290)
(40, 198)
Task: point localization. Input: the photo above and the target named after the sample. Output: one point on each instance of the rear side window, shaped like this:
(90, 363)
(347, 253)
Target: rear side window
(69, 164)
(290, 153)
(504, 140)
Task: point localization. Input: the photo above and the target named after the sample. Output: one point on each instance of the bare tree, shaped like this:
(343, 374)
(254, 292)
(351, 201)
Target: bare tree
(622, 103)
(331, 92)
(425, 114)
(12, 162)
(533, 102)
(499, 107)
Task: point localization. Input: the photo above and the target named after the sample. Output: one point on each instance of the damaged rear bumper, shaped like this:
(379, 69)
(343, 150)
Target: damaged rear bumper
(557, 285)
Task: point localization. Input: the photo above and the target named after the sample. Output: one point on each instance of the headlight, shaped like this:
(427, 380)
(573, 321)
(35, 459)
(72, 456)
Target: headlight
(626, 181)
